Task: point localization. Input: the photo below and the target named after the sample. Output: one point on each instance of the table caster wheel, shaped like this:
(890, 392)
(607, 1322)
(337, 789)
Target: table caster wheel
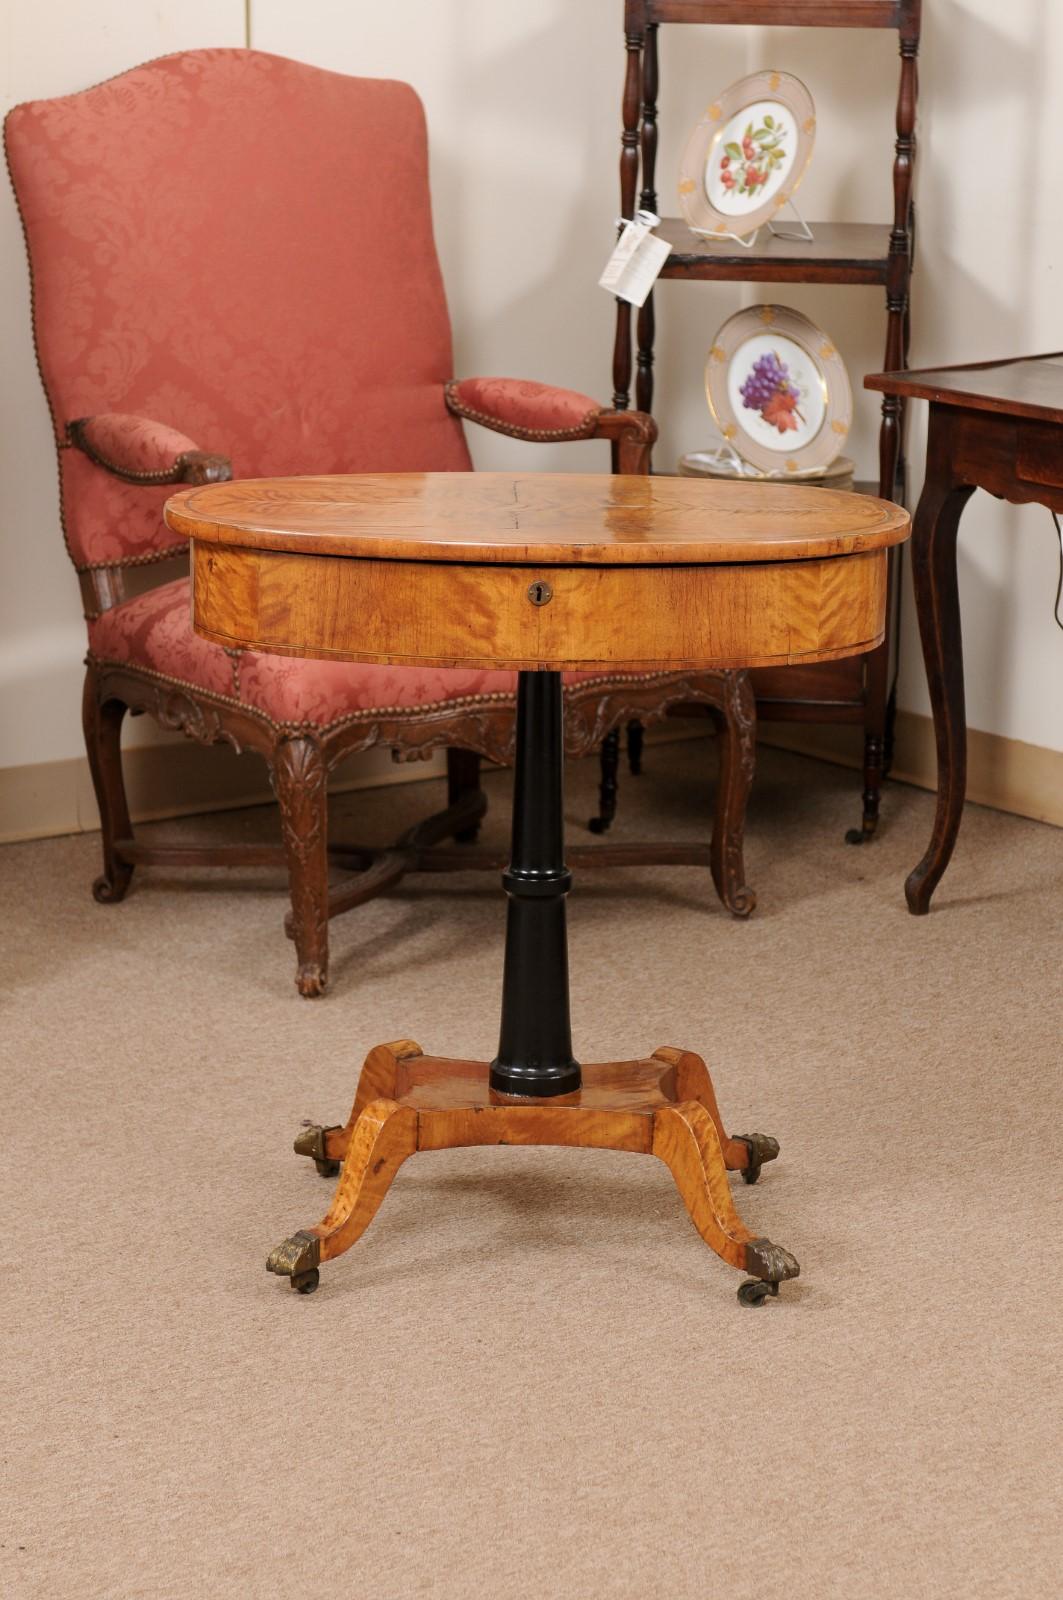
(311, 1142)
(306, 1282)
(755, 1291)
(854, 835)
(762, 1147)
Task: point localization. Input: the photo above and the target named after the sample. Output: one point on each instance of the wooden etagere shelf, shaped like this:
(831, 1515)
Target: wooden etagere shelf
(856, 691)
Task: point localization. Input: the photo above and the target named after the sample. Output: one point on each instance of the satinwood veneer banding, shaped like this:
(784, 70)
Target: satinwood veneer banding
(441, 567)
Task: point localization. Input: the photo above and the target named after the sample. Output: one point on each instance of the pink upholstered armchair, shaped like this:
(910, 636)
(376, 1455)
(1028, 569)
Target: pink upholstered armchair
(234, 273)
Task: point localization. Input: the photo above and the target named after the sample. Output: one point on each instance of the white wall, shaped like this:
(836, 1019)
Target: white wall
(50, 47)
(523, 105)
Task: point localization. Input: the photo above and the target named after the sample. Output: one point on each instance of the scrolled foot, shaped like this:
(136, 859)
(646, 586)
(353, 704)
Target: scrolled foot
(311, 1142)
(108, 890)
(762, 1147)
(298, 1258)
(311, 981)
(741, 902)
(770, 1262)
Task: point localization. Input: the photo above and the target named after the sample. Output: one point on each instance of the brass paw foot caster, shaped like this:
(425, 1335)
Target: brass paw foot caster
(762, 1147)
(297, 1258)
(772, 1265)
(311, 1142)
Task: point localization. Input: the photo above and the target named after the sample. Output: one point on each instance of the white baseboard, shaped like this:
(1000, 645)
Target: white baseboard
(1025, 779)
(169, 780)
(179, 778)
(183, 778)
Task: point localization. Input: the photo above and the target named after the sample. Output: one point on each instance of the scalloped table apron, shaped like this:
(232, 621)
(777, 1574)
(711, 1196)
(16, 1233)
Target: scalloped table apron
(540, 574)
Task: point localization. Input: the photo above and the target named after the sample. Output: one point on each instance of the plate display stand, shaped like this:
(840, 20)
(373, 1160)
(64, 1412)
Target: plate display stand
(804, 232)
(856, 691)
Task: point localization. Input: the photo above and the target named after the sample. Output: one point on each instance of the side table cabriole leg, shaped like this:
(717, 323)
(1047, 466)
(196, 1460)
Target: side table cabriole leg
(534, 1092)
(935, 529)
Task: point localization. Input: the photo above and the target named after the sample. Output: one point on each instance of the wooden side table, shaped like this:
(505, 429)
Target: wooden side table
(993, 425)
(539, 574)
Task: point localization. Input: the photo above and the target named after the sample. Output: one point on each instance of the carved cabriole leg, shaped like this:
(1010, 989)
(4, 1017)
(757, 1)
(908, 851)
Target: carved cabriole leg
(378, 1081)
(463, 778)
(745, 1153)
(386, 1133)
(636, 734)
(935, 529)
(299, 779)
(607, 787)
(685, 1139)
(736, 722)
(102, 724)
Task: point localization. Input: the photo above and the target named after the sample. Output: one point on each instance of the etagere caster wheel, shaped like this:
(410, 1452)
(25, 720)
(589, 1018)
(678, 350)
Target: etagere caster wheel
(328, 1169)
(306, 1282)
(598, 824)
(755, 1291)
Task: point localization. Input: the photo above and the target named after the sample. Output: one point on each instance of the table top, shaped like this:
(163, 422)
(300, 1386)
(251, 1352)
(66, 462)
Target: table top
(543, 519)
(1026, 386)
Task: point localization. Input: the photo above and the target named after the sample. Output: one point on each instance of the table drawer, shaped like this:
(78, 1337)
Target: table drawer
(489, 615)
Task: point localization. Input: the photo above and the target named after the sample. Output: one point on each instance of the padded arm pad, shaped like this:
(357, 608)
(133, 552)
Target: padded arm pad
(138, 450)
(523, 409)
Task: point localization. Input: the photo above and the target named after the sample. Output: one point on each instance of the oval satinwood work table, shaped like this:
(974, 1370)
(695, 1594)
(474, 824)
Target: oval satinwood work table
(538, 573)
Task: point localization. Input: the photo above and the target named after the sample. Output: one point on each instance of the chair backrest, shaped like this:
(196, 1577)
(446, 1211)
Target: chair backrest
(239, 247)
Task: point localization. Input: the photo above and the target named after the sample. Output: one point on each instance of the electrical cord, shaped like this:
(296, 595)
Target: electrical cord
(1059, 585)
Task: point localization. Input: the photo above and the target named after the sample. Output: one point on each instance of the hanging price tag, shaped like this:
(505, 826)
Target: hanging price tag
(635, 264)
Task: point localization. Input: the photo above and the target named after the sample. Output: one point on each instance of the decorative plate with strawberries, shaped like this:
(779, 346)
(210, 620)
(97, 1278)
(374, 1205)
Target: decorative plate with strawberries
(779, 391)
(747, 155)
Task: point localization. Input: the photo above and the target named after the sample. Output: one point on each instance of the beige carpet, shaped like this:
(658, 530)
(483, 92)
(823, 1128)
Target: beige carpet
(531, 1378)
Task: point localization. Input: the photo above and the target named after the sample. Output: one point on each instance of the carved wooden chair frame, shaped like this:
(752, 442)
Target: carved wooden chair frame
(301, 756)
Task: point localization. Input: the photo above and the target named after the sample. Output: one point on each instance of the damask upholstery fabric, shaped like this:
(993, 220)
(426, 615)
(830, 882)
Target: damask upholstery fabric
(153, 631)
(525, 409)
(134, 444)
(240, 247)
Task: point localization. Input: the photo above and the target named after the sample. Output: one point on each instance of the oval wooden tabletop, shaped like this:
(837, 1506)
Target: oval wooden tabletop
(537, 518)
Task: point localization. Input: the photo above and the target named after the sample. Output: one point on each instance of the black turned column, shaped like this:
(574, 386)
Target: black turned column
(535, 1044)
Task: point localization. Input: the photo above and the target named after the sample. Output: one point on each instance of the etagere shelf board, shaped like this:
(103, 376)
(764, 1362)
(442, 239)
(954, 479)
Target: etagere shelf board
(856, 691)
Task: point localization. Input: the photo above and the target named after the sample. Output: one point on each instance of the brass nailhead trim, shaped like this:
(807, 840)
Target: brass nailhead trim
(536, 435)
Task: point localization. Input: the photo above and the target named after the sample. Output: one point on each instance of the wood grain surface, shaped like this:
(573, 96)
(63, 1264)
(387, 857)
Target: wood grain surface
(556, 518)
(452, 614)
(663, 1105)
(559, 571)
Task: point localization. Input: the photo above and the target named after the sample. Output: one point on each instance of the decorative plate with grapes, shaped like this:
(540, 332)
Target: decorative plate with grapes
(747, 155)
(779, 391)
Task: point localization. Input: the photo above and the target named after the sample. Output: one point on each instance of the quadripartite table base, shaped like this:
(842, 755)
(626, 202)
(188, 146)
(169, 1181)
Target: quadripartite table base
(663, 1106)
(535, 1092)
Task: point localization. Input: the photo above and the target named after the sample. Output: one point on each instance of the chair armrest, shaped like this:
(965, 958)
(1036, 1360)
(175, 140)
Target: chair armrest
(540, 412)
(524, 410)
(137, 450)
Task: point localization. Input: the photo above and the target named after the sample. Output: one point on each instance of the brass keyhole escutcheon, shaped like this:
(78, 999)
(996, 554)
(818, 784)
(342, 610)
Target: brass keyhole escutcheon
(540, 592)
